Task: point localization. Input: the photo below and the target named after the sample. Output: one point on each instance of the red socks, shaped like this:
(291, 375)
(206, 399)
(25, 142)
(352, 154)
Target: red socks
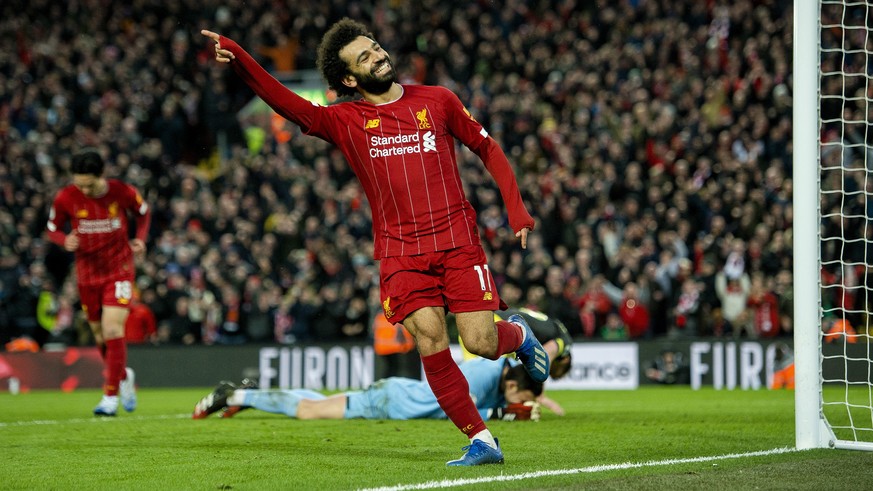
(116, 362)
(452, 391)
(509, 338)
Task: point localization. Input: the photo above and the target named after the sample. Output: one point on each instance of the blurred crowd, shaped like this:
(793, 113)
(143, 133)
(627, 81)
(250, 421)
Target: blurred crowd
(651, 139)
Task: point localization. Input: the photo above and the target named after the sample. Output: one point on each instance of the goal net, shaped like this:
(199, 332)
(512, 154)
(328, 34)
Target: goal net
(833, 159)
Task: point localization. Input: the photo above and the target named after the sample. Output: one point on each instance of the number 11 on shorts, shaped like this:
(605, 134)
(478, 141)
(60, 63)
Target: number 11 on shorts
(484, 276)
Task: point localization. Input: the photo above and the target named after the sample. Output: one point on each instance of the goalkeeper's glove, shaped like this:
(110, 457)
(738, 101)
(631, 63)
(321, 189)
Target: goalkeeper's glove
(519, 411)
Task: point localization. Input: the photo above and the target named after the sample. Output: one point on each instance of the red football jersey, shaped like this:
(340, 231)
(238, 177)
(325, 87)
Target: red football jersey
(403, 153)
(102, 225)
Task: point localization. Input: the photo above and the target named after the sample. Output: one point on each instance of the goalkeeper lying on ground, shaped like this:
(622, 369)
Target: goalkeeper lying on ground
(556, 340)
(500, 388)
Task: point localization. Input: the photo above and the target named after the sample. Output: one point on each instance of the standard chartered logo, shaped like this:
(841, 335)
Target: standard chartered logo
(402, 144)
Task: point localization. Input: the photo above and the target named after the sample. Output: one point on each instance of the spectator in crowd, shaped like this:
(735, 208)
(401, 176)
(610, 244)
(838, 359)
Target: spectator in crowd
(838, 329)
(23, 303)
(732, 285)
(141, 326)
(614, 329)
(762, 308)
(784, 291)
(686, 313)
(783, 371)
(394, 348)
(179, 328)
(594, 306)
(669, 368)
(631, 308)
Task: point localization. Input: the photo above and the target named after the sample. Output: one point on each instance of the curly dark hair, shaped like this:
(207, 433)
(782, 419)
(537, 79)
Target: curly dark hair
(333, 69)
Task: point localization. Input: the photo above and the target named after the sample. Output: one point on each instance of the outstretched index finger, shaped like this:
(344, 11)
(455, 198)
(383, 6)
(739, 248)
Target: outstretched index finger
(523, 235)
(211, 35)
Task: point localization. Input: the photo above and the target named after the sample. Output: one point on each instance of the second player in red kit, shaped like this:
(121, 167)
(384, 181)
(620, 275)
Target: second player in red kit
(90, 218)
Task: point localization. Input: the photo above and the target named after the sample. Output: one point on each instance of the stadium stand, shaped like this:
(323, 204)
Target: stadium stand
(652, 139)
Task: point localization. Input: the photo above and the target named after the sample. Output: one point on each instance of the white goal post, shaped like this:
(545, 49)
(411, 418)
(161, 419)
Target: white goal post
(833, 222)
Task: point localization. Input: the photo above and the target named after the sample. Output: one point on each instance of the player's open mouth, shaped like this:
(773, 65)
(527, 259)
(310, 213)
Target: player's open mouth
(382, 69)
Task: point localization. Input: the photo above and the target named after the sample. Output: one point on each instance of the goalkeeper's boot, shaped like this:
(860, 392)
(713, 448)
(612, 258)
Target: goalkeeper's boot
(230, 411)
(108, 406)
(531, 353)
(127, 391)
(214, 401)
(479, 453)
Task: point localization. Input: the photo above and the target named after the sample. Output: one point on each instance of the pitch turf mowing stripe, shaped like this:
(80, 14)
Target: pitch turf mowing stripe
(450, 483)
(95, 419)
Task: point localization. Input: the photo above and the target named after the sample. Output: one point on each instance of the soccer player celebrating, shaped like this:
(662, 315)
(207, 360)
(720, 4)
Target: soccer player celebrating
(96, 209)
(400, 142)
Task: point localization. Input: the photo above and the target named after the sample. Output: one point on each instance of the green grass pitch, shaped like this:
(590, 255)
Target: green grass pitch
(651, 438)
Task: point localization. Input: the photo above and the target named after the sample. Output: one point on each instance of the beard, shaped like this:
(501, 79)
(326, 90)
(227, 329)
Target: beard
(375, 84)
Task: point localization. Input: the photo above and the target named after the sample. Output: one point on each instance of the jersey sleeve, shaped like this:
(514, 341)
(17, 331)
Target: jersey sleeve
(498, 166)
(463, 126)
(141, 211)
(57, 220)
(281, 99)
(460, 123)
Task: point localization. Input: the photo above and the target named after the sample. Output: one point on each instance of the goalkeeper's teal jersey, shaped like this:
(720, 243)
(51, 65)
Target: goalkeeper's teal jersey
(404, 398)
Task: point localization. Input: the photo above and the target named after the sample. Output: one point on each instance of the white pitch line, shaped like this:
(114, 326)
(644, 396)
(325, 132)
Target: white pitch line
(49, 422)
(450, 483)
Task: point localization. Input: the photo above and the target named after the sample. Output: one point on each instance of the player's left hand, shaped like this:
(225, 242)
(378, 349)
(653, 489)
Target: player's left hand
(522, 234)
(138, 247)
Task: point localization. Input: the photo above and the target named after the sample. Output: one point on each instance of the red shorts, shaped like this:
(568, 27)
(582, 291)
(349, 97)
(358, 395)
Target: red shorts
(457, 279)
(109, 294)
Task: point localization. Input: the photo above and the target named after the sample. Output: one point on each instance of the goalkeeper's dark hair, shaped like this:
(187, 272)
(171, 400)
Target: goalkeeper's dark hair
(87, 161)
(524, 380)
(332, 67)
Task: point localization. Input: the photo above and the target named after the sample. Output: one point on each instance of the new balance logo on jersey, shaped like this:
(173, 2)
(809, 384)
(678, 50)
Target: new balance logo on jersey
(429, 142)
(371, 123)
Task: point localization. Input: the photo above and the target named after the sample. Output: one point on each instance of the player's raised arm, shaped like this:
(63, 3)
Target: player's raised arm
(282, 99)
